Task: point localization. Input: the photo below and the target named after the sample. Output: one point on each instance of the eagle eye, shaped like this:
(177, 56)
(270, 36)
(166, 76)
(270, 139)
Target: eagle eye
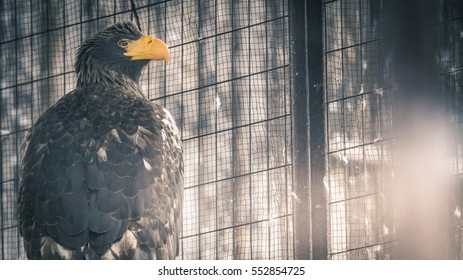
(123, 43)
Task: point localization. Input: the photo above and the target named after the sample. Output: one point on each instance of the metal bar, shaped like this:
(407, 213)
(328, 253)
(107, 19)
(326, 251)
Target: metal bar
(370, 194)
(327, 139)
(239, 176)
(31, 68)
(9, 227)
(114, 14)
(308, 129)
(200, 57)
(287, 120)
(165, 65)
(237, 226)
(299, 85)
(267, 131)
(364, 164)
(364, 247)
(1, 180)
(316, 129)
(166, 95)
(182, 102)
(224, 81)
(343, 120)
(114, 11)
(216, 126)
(351, 46)
(233, 128)
(250, 127)
(233, 140)
(148, 84)
(249, 133)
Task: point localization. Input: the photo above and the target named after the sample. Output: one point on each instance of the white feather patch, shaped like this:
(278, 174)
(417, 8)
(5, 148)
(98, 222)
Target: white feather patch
(116, 135)
(102, 154)
(147, 165)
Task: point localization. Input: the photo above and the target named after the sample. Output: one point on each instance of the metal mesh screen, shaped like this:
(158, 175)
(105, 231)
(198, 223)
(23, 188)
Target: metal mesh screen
(359, 131)
(360, 100)
(226, 86)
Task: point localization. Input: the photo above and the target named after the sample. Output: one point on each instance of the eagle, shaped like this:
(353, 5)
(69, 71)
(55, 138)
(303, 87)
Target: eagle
(101, 175)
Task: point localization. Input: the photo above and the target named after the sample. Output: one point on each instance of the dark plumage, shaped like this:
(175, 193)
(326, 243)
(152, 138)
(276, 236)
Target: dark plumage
(102, 169)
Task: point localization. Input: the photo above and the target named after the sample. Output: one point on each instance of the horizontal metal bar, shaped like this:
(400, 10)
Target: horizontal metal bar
(13, 133)
(81, 22)
(357, 197)
(235, 226)
(239, 176)
(230, 31)
(363, 247)
(236, 127)
(360, 145)
(222, 82)
(358, 94)
(8, 227)
(357, 45)
(9, 180)
(37, 80)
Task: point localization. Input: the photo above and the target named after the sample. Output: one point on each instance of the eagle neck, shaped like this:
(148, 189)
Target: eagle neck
(109, 79)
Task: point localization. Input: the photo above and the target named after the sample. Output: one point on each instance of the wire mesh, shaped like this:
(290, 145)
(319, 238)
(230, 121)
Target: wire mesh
(226, 86)
(359, 131)
(360, 92)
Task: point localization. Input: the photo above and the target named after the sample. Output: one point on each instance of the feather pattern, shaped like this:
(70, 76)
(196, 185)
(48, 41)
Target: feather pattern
(98, 180)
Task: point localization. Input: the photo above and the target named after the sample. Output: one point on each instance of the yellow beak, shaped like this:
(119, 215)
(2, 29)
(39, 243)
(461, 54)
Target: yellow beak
(149, 48)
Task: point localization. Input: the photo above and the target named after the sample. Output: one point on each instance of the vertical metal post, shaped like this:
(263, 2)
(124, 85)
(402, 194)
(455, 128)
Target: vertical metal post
(308, 129)
(299, 85)
(316, 129)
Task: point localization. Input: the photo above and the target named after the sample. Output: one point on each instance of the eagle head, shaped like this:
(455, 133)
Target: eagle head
(120, 49)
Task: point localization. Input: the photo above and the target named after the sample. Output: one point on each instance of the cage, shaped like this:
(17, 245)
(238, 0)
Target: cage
(287, 113)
